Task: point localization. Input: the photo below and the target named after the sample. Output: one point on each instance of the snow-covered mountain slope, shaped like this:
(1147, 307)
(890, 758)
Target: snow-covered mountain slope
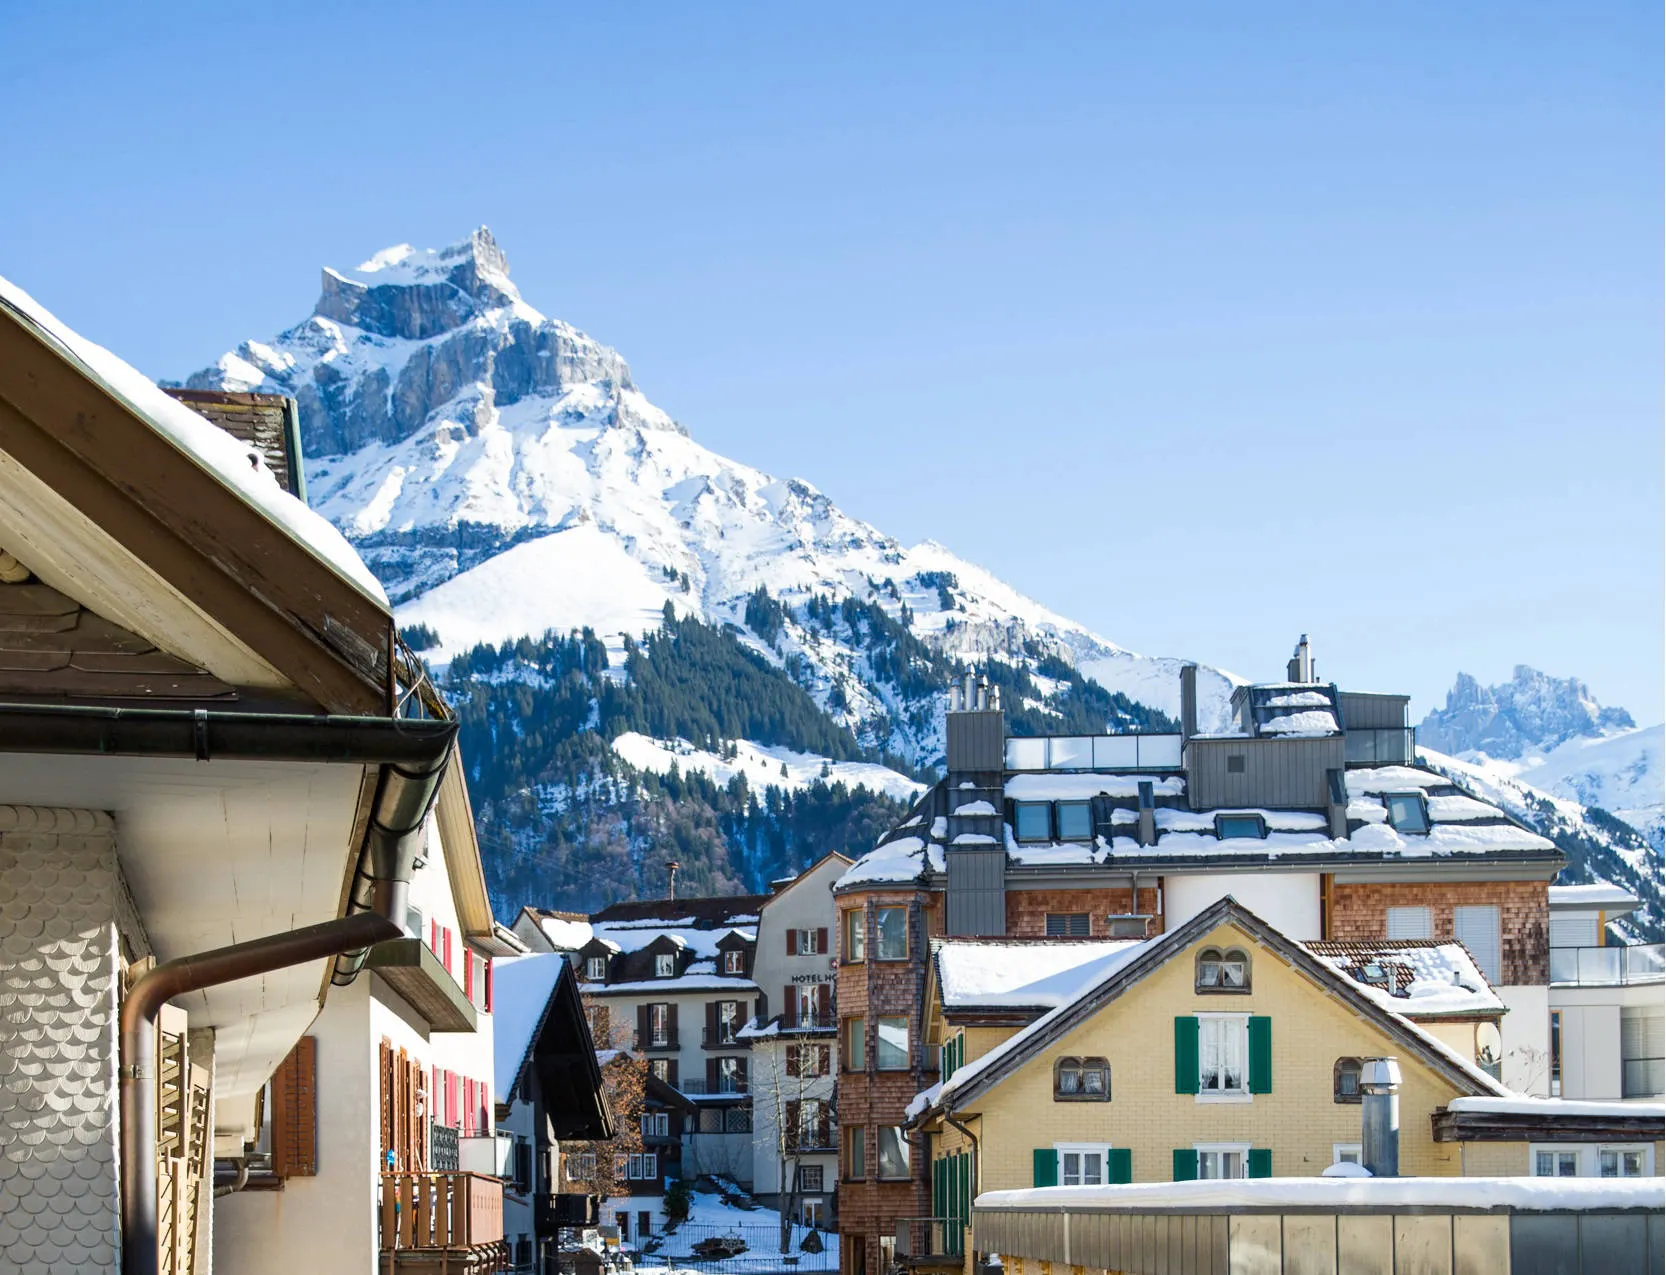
(504, 476)
(1552, 734)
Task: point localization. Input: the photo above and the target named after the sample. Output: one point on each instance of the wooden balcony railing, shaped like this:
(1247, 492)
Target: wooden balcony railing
(449, 1221)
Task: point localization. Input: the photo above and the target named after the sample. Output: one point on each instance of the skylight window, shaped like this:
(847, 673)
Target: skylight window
(1075, 821)
(1033, 821)
(1233, 827)
(1406, 812)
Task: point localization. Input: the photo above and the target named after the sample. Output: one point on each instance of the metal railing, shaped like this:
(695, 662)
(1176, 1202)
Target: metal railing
(723, 1038)
(736, 1085)
(1379, 745)
(1616, 966)
(666, 1039)
(919, 1237)
(1093, 752)
(441, 1211)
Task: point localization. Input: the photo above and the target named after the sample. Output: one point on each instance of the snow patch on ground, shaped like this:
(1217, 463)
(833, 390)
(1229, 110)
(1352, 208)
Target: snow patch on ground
(762, 765)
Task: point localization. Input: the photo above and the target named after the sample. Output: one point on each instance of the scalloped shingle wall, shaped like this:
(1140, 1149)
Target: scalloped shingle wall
(59, 963)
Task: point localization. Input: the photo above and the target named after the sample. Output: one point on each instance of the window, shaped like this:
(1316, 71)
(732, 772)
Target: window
(1553, 1161)
(808, 1060)
(665, 965)
(737, 1120)
(595, 968)
(856, 935)
(1555, 1053)
(892, 1051)
(1081, 1080)
(656, 1124)
(1476, 927)
(643, 1166)
(659, 1025)
(812, 1128)
(1411, 923)
(1345, 1080)
(731, 1075)
(809, 1177)
(1219, 971)
(1234, 763)
(622, 1219)
(523, 1165)
(1081, 1166)
(1642, 1051)
(1033, 821)
(711, 1119)
(1126, 927)
(581, 1168)
(893, 1152)
(661, 1067)
(1233, 827)
(807, 942)
(1222, 1052)
(1075, 821)
(1406, 811)
(1623, 1162)
(734, 962)
(728, 1021)
(891, 927)
(856, 1154)
(1223, 1160)
(1067, 925)
(1346, 1153)
(855, 1044)
(1555, 1164)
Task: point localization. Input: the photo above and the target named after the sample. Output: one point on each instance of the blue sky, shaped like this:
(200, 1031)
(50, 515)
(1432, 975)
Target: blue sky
(1204, 324)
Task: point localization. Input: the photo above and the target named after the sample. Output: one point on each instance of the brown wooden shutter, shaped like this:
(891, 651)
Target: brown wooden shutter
(792, 1129)
(384, 1074)
(789, 1007)
(821, 939)
(792, 1060)
(671, 1022)
(824, 1061)
(824, 1004)
(642, 1027)
(824, 1125)
(295, 1111)
(711, 1022)
(671, 1072)
(711, 1075)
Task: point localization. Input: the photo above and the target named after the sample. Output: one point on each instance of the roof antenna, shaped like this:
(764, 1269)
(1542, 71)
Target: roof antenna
(672, 869)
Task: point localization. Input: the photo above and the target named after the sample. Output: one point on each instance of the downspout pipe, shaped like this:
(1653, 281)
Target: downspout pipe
(972, 1191)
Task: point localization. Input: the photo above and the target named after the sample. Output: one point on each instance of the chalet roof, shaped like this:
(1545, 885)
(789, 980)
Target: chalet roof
(1420, 978)
(686, 912)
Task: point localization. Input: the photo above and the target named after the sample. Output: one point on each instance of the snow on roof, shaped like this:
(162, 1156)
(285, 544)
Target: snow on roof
(1311, 721)
(1522, 1194)
(900, 859)
(1381, 779)
(633, 936)
(701, 982)
(1081, 786)
(1019, 972)
(1298, 699)
(1550, 1108)
(521, 989)
(564, 935)
(236, 464)
(1423, 979)
(1594, 895)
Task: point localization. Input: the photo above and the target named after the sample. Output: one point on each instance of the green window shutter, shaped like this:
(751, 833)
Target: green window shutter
(1185, 1054)
(937, 1191)
(1046, 1166)
(1260, 1055)
(1261, 1162)
(1119, 1165)
(1185, 1164)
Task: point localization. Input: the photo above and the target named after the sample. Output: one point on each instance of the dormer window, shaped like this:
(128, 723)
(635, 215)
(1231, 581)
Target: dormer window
(1223, 971)
(1075, 821)
(665, 965)
(1234, 827)
(1373, 973)
(1032, 821)
(595, 968)
(1407, 812)
(734, 962)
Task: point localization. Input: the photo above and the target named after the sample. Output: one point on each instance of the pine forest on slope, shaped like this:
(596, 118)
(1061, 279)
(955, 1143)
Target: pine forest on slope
(656, 652)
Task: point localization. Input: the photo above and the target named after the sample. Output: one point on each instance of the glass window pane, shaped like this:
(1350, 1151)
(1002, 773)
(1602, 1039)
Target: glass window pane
(1232, 827)
(855, 936)
(1091, 1175)
(1405, 812)
(891, 1052)
(892, 927)
(1075, 821)
(1093, 1080)
(1070, 752)
(893, 1153)
(1033, 821)
(1026, 754)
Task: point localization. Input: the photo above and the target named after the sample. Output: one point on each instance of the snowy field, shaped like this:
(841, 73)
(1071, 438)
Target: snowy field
(762, 764)
(710, 1217)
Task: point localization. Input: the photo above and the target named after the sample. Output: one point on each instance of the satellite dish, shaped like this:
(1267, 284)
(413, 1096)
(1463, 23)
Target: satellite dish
(1489, 1045)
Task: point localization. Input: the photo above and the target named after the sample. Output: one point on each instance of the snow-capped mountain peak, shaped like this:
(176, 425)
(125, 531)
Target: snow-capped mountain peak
(1531, 712)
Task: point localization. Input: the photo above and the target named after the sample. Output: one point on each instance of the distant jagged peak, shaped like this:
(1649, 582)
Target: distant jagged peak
(1533, 711)
(420, 293)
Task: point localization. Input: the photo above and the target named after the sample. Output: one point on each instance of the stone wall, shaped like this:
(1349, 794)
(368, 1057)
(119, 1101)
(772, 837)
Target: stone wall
(61, 906)
(1360, 911)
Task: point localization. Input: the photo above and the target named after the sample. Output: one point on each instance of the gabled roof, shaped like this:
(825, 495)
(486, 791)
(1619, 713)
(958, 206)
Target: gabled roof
(1420, 978)
(1019, 974)
(984, 1073)
(688, 913)
(539, 1022)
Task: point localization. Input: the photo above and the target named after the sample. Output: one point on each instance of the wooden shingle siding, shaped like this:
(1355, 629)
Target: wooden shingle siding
(1277, 773)
(266, 422)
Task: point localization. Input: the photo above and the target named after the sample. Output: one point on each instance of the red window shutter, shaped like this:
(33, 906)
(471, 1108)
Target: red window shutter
(821, 938)
(468, 976)
(792, 942)
(488, 985)
(789, 1007)
(445, 930)
(451, 1098)
(434, 937)
(436, 1099)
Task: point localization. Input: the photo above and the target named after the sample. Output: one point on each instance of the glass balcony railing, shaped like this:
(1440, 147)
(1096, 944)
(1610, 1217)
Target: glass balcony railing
(1094, 752)
(1616, 966)
(1379, 746)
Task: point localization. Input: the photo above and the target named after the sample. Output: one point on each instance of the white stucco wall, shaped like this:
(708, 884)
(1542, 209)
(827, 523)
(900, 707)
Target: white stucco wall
(1526, 1033)
(1289, 900)
(60, 891)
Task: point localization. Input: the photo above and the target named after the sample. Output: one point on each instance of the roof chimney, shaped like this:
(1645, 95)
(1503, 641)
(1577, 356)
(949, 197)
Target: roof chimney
(1300, 668)
(1188, 700)
(1379, 1112)
(269, 424)
(974, 727)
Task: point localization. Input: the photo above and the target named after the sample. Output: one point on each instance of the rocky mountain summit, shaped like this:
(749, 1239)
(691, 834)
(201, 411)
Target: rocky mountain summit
(1532, 711)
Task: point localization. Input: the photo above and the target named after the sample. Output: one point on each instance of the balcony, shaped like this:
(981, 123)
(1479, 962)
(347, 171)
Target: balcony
(1379, 746)
(1617, 966)
(656, 1041)
(412, 970)
(1094, 752)
(568, 1209)
(929, 1243)
(810, 1023)
(726, 1087)
(450, 1222)
(723, 1038)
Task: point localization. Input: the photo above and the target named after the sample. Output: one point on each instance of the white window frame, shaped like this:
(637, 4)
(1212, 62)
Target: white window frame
(656, 1124)
(595, 968)
(880, 1045)
(1225, 1095)
(1082, 1150)
(734, 961)
(1645, 1149)
(1241, 1149)
(665, 965)
(643, 1167)
(1428, 914)
(659, 1025)
(814, 1216)
(809, 943)
(1347, 1153)
(903, 1149)
(1577, 1151)
(1588, 1156)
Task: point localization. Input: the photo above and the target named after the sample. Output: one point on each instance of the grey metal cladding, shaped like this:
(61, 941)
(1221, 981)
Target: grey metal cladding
(976, 741)
(977, 898)
(1361, 711)
(1277, 774)
(59, 963)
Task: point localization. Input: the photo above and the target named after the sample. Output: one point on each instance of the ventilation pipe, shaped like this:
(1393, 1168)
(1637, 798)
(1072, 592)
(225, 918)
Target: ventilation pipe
(1300, 668)
(969, 690)
(1147, 821)
(1379, 1110)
